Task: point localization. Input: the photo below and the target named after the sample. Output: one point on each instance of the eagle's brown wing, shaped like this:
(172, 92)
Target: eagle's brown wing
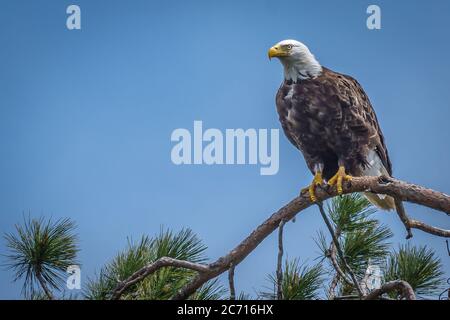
(361, 117)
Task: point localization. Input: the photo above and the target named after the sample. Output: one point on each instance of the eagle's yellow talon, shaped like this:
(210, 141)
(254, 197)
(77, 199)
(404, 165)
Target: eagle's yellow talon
(312, 196)
(339, 178)
(317, 181)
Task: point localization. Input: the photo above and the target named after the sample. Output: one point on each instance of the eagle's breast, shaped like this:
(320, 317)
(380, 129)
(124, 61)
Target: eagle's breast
(307, 116)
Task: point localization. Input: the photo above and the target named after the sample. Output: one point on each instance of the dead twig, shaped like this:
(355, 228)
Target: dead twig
(280, 261)
(231, 282)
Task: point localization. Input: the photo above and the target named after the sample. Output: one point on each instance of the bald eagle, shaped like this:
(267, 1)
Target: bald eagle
(329, 118)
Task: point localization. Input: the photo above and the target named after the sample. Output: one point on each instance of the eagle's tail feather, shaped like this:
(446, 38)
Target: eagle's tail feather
(376, 168)
(381, 201)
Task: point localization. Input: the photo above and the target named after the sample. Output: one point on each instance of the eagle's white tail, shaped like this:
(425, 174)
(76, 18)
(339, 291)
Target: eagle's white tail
(381, 201)
(376, 168)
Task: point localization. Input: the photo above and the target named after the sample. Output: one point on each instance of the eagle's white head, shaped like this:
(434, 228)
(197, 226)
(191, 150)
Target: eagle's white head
(298, 62)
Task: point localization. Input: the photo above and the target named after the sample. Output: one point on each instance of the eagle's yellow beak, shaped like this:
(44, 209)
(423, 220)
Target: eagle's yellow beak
(276, 51)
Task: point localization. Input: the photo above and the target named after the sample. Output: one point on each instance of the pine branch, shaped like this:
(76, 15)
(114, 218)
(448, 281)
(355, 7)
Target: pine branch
(339, 249)
(382, 185)
(153, 267)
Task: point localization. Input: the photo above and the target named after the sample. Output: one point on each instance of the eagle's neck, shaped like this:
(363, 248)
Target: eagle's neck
(301, 68)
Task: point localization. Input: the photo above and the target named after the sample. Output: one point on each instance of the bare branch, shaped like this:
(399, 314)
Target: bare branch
(429, 229)
(404, 191)
(402, 287)
(401, 212)
(231, 282)
(280, 261)
(412, 223)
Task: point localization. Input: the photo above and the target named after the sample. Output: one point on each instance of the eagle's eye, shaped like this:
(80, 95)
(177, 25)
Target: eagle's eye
(289, 46)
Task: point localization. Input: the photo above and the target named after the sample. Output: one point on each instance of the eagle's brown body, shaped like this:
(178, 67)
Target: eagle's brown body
(330, 119)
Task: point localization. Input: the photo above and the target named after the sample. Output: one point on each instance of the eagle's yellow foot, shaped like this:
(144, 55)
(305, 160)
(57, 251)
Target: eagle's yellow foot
(338, 178)
(317, 181)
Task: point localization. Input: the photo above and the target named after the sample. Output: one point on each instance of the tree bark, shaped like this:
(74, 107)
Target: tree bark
(402, 287)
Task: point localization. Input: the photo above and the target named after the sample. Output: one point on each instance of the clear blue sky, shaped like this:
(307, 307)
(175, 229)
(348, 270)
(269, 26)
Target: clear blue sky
(86, 116)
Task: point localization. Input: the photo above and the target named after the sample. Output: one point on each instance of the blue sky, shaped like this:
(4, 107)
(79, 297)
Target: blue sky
(86, 116)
